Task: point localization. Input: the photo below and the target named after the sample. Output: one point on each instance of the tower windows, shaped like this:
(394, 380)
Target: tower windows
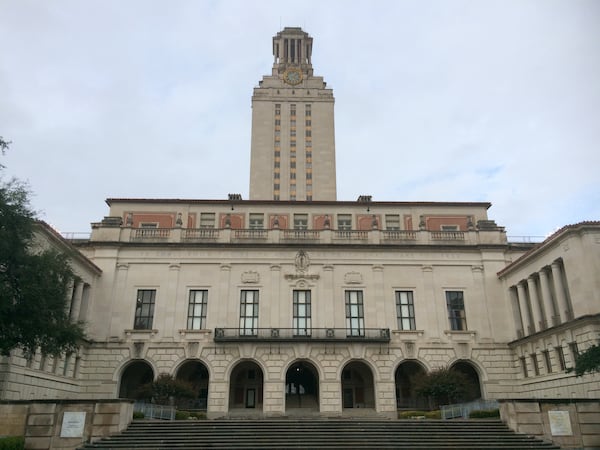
(456, 310)
(249, 313)
(144, 309)
(405, 310)
(355, 314)
(197, 310)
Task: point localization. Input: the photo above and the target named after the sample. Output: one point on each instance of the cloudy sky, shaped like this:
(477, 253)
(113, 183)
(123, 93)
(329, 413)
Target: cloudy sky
(448, 100)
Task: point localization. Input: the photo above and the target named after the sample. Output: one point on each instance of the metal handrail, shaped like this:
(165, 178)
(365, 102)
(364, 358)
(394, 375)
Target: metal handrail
(302, 334)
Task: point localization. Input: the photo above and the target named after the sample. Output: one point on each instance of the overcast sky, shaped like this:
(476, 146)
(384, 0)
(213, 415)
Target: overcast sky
(448, 100)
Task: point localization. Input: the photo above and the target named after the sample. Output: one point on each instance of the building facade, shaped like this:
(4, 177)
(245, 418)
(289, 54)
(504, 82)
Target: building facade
(293, 302)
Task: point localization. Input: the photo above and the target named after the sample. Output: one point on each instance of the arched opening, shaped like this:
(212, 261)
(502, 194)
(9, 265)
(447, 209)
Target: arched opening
(357, 386)
(135, 375)
(302, 387)
(469, 371)
(406, 396)
(195, 373)
(246, 386)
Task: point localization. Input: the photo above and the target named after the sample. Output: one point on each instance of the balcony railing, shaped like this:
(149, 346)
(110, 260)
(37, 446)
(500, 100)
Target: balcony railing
(302, 335)
(150, 234)
(287, 236)
(200, 234)
(301, 235)
(399, 235)
(447, 235)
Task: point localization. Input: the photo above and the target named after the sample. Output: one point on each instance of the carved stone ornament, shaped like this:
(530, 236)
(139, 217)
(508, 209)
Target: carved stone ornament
(302, 262)
(250, 277)
(353, 278)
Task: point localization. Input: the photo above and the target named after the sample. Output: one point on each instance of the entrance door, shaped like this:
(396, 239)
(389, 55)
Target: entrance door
(348, 400)
(250, 398)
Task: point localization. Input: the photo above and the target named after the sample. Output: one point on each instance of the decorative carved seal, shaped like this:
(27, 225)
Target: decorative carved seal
(302, 262)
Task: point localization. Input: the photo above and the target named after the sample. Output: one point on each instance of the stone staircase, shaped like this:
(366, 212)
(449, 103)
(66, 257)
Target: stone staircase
(319, 434)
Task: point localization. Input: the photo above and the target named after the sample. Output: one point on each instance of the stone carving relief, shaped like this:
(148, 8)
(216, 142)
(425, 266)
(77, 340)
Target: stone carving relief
(250, 276)
(353, 278)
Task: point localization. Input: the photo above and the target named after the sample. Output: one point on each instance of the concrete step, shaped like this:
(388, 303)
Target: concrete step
(319, 434)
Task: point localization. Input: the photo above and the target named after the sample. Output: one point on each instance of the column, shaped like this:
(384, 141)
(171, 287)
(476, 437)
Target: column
(76, 303)
(547, 298)
(517, 312)
(536, 308)
(559, 288)
(525, 314)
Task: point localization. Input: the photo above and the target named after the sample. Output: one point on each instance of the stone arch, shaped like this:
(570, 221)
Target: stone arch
(471, 372)
(246, 381)
(302, 386)
(358, 385)
(405, 376)
(196, 373)
(133, 375)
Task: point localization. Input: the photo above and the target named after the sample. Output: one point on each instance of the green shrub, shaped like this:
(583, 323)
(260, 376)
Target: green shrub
(198, 415)
(182, 415)
(437, 414)
(411, 414)
(485, 414)
(12, 443)
(138, 415)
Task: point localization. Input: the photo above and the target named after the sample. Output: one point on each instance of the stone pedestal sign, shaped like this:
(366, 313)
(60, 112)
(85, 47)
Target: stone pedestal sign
(560, 423)
(72, 424)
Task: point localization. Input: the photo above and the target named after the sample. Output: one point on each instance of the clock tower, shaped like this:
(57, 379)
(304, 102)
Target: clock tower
(293, 146)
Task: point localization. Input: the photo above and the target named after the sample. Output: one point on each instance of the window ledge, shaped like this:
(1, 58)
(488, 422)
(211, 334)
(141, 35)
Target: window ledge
(185, 332)
(460, 335)
(140, 333)
(408, 334)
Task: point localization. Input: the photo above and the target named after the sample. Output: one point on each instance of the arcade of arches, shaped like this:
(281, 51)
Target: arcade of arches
(301, 384)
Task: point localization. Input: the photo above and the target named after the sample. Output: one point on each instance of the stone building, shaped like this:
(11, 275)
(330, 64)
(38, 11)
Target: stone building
(293, 302)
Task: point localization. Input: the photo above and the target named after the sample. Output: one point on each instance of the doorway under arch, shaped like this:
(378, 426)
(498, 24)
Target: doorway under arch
(195, 373)
(406, 396)
(246, 386)
(136, 374)
(302, 387)
(357, 386)
(471, 374)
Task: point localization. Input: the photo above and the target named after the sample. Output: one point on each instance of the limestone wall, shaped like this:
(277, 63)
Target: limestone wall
(41, 422)
(571, 424)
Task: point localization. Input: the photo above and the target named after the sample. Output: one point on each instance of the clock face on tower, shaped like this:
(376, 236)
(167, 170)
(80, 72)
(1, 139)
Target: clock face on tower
(292, 76)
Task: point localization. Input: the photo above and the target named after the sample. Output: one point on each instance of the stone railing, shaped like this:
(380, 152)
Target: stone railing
(279, 236)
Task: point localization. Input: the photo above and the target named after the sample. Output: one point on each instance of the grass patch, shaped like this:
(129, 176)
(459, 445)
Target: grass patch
(12, 443)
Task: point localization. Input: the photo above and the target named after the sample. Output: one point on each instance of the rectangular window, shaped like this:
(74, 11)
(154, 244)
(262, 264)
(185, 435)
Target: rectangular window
(300, 221)
(277, 109)
(207, 220)
(302, 311)
(456, 310)
(560, 354)
(448, 227)
(144, 309)
(308, 122)
(574, 352)
(392, 222)
(547, 361)
(257, 220)
(524, 366)
(405, 310)
(308, 133)
(197, 310)
(344, 221)
(355, 314)
(249, 313)
(308, 110)
(534, 362)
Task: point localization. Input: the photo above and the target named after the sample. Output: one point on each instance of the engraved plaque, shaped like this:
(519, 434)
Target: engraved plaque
(560, 423)
(72, 424)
